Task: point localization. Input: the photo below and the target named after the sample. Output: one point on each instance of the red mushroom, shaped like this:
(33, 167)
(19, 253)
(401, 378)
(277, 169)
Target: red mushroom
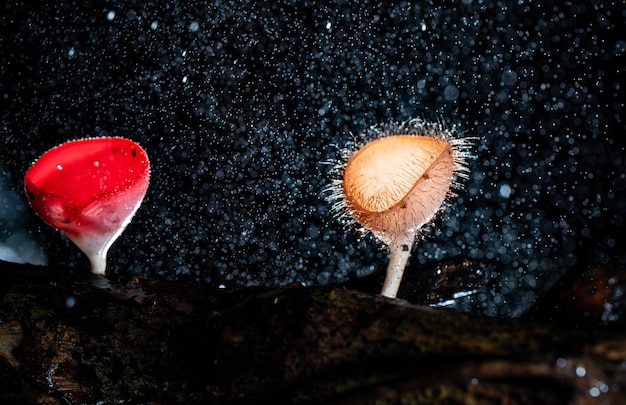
(89, 189)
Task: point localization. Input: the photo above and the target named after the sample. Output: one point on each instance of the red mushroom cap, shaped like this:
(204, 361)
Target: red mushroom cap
(89, 189)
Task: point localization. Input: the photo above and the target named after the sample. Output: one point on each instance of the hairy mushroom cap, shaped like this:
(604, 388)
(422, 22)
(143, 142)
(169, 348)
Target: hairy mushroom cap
(399, 178)
(396, 182)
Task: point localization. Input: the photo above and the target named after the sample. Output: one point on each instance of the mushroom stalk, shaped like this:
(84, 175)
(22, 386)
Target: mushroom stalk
(98, 263)
(399, 253)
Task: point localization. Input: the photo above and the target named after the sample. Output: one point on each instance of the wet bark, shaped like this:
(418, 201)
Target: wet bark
(67, 338)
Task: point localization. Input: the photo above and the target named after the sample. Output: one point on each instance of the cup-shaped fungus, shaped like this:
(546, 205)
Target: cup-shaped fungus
(89, 190)
(396, 183)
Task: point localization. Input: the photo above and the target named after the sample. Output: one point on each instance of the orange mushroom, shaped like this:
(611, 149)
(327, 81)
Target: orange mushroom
(395, 184)
(89, 189)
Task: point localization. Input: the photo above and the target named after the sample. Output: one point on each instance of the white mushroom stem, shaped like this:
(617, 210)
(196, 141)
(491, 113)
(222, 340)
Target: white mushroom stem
(96, 247)
(98, 263)
(399, 253)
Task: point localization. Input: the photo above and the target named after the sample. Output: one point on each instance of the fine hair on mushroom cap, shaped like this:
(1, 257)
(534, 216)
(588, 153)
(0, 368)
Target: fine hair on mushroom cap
(460, 152)
(394, 181)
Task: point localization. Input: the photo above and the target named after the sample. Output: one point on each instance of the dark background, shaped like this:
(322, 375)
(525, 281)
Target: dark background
(240, 106)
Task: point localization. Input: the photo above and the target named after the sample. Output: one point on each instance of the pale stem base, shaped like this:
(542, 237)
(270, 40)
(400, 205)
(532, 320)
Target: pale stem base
(399, 253)
(98, 263)
(96, 247)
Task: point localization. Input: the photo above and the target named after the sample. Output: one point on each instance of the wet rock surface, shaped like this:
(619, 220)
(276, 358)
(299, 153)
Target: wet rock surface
(69, 339)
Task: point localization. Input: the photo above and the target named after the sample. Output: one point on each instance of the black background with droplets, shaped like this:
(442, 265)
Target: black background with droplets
(240, 104)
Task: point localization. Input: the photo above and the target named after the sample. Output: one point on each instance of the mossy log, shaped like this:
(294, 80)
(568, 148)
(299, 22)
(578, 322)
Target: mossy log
(68, 339)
